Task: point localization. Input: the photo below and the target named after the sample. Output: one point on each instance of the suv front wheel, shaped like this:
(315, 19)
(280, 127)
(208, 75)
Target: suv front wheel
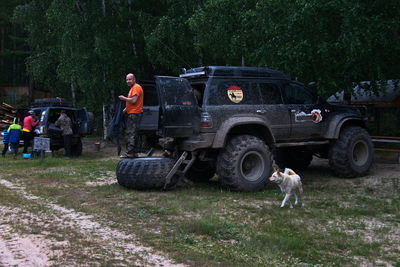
(244, 164)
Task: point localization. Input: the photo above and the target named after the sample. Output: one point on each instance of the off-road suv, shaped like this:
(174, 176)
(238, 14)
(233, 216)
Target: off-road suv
(234, 121)
(48, 111)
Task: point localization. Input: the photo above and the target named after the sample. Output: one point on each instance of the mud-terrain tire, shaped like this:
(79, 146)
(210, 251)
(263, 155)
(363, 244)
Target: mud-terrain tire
(76, 149)
(144, 173)
(201, 171)
(352, 154)
(292, 158)
(245, 164)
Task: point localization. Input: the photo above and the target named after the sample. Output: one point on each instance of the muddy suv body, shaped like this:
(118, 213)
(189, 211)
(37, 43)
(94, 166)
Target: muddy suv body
(233, 119)
(48, 111)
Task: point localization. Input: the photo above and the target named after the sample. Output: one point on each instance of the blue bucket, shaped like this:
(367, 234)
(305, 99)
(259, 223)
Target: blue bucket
(26, 155)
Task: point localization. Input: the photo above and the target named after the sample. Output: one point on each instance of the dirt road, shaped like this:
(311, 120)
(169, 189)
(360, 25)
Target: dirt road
(47, 248)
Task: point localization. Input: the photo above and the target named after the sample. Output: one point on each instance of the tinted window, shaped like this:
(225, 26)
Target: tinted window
(177, 91)
(270, 93)
(198, 89)
(150, 95)
(296, 94)
(231, 92)
(38, 112)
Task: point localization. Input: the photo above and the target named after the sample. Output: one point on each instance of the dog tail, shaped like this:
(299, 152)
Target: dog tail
(290, 171)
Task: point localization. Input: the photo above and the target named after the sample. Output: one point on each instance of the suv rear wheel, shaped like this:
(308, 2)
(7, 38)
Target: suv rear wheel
(244, 164)
(352, 154)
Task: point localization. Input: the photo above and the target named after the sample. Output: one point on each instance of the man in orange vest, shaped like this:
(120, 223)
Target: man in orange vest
(134, 109)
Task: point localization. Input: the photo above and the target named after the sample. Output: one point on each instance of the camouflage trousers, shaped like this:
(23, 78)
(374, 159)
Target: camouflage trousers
(131, 132)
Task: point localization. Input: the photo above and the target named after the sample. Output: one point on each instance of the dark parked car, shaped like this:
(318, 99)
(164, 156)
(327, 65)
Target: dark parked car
(48, 111)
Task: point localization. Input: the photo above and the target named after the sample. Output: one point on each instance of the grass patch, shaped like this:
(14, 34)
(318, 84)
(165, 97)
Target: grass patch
(206, 226)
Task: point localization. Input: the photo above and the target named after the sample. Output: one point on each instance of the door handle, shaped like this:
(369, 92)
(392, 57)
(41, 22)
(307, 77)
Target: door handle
(261, 111)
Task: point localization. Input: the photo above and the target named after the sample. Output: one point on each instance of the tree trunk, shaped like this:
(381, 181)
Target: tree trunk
(130, 30)
(73, 92)
(14, 62)
(103, 5)
(30, 89)
(347, 96)
(2, 48)
(347, 90)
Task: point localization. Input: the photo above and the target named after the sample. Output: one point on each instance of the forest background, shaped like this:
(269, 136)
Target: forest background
(82, 49)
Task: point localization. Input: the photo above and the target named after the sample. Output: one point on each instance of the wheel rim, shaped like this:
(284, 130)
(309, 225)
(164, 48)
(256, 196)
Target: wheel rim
(252, 166)
(360, 153)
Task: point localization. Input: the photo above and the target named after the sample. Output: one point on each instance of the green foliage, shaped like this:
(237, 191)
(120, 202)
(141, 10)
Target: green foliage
(91, 45)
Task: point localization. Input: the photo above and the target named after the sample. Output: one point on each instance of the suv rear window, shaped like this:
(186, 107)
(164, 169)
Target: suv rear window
(177, 91)
(150, 95)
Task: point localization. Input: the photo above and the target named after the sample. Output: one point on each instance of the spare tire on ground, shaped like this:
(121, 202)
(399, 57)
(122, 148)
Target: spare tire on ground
(144, 173)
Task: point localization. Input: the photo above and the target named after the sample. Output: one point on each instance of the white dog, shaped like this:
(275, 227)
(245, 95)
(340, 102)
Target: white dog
(290, 183)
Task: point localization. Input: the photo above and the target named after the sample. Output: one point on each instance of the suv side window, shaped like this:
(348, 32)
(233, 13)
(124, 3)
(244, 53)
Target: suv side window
(232, 92)
(296, 94)
(270, 93)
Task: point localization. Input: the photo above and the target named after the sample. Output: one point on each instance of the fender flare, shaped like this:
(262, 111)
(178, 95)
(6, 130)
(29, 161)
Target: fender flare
(336, 123)
(228, 125)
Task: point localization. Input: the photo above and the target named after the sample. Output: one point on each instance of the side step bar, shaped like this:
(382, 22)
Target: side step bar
(310, 143)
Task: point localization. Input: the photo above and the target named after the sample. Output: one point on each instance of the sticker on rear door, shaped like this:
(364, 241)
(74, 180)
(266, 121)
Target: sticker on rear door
(235, 93)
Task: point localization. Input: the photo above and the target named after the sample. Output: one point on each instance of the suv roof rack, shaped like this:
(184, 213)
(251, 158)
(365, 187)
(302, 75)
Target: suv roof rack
(50, 102)
(231, 71)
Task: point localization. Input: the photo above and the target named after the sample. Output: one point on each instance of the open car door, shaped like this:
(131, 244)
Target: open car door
(151, 107)
(86, 121)
(180, 111)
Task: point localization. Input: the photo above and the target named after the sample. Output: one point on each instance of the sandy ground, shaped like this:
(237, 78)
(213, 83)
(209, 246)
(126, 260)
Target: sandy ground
(44, 249)
(37, 250)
